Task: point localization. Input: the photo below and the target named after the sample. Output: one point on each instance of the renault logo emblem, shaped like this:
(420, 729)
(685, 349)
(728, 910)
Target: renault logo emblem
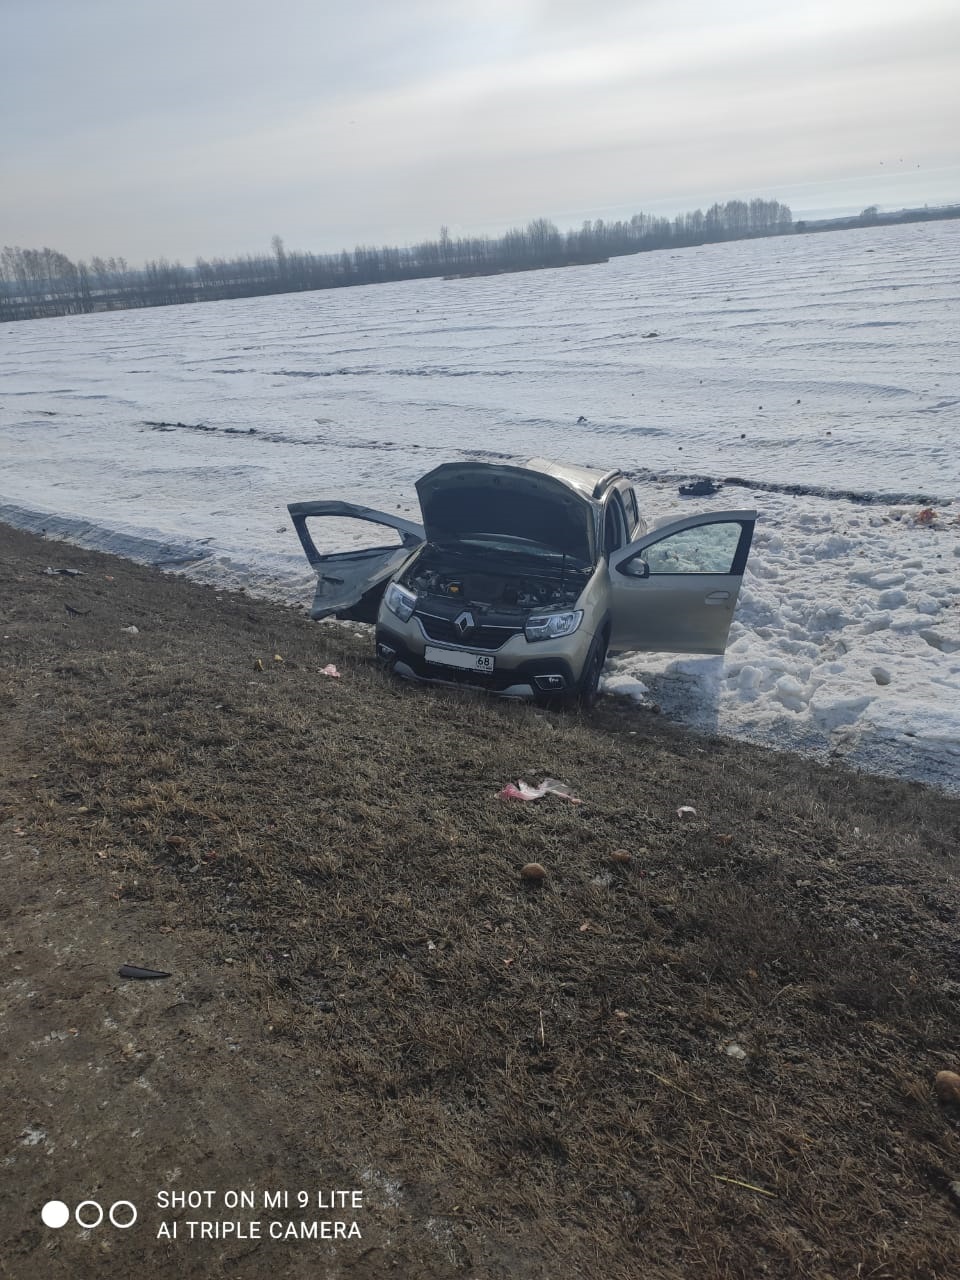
(464, 623)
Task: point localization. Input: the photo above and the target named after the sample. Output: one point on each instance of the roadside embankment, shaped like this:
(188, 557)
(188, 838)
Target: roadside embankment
(713, 1058)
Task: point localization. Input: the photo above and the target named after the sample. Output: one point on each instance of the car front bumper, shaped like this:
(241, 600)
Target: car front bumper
(513, 676)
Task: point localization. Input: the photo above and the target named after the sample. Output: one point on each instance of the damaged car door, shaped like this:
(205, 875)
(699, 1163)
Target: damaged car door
(350, 584)
(675, 589)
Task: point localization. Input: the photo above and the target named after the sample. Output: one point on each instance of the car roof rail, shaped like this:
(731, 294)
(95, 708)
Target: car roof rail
(605, 481)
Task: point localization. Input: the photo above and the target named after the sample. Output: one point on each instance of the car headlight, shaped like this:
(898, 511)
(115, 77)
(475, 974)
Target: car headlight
(400, 601)
(553, 625)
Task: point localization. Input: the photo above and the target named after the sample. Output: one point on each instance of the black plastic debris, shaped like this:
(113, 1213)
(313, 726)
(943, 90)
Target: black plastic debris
(134, 971)
(699, 489)
(69, 573)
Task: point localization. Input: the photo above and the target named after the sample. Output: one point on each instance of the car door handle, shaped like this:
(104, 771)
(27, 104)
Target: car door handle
(717, 597)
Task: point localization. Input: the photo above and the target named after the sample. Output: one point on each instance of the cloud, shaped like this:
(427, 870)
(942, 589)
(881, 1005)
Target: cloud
(168, 125)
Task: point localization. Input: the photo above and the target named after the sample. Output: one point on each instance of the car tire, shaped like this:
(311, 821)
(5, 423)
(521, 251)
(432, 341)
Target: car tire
(588, 688)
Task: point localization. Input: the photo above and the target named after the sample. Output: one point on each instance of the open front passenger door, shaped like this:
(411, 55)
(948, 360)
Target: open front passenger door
(675, 589)
(350, 584)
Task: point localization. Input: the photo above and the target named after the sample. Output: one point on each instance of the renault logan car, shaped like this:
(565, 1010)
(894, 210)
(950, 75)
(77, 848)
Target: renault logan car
(523, 578)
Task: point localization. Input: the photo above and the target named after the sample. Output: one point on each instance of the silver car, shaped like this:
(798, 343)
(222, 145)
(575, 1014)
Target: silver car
(523, 578)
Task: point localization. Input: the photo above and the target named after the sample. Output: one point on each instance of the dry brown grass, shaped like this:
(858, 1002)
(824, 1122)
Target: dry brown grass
(543, 1064)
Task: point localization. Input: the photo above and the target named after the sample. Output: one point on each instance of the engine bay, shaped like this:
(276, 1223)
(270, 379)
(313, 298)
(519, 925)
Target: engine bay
(475, 581)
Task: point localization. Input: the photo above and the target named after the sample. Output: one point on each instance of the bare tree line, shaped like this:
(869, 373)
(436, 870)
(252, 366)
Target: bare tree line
(44, 282)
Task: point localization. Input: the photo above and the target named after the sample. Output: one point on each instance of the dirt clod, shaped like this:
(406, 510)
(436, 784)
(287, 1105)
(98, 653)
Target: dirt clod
(947, 1086)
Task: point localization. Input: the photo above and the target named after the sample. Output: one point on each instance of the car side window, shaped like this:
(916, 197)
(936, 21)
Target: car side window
(614, 526)
(633, 511)
(709, 548)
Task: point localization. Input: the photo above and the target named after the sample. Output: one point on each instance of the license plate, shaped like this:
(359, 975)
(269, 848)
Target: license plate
(457, 658)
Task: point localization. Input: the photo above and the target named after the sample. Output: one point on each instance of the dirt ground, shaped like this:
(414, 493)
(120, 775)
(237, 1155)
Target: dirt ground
(714, 1060)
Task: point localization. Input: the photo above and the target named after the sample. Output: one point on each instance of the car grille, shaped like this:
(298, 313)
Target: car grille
(483, 637)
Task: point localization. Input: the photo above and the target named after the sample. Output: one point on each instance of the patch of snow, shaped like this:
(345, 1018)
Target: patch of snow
(624, 686)
(891, 599)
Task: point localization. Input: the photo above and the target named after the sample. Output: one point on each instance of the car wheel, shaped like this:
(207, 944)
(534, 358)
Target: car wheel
(588, 691)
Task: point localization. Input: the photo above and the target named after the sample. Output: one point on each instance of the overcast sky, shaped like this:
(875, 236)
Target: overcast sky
(179, 128)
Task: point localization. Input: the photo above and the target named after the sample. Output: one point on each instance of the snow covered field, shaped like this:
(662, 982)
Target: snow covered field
(817, 370)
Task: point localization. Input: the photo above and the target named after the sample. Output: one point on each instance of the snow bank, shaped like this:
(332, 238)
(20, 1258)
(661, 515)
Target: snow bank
(846, 640)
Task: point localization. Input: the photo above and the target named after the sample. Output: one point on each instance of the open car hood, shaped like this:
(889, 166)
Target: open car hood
(465, 500)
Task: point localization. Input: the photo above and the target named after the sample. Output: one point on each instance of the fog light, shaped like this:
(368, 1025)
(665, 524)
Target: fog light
(551, 682)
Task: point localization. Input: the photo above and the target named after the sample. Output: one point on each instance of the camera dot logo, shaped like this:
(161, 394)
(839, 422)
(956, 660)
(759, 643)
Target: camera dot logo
(89, 1214)
(55, 1214)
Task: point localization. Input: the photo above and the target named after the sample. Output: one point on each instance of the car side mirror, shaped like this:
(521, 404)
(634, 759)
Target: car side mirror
(636, 567)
